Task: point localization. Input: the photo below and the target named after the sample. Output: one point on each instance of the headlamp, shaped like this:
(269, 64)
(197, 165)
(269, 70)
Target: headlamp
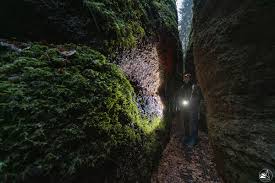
(185, 102)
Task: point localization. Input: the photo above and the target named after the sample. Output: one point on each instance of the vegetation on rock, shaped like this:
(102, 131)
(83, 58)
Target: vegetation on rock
(127, 22)
(69, 118)
(67, 113)
(103, 23)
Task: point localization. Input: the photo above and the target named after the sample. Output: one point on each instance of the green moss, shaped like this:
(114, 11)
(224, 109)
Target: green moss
(125, 23)
(167, 17)
(66, 118)
(119, 20)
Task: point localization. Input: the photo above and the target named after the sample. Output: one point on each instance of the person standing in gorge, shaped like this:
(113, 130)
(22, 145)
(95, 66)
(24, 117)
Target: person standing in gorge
(194, 115)
(190, 99)
(184, 95)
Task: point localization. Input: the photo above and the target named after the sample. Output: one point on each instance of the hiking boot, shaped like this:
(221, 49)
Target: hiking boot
(186, 140)
(191, 142)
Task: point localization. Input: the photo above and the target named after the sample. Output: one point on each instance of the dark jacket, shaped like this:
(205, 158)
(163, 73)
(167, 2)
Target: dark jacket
(185, 91)
(196, 95)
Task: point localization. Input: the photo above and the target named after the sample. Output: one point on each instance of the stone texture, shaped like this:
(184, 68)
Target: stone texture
(149, 67)
(234, 51)
(142, 66)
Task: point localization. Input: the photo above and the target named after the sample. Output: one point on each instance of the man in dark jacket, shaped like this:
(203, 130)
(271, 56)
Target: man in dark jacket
(194, 114)
(191, 97)
(184, 96)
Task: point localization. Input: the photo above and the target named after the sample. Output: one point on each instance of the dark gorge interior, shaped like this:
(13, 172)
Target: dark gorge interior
(87, 89)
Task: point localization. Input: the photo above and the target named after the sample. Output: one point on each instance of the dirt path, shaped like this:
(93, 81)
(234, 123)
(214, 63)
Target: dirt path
(182, 164)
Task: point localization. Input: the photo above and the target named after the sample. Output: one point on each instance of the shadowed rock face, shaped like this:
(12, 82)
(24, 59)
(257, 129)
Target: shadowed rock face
(234, 51)
(45, 20)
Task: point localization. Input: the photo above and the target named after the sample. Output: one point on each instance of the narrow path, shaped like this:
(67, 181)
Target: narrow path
(182, 164)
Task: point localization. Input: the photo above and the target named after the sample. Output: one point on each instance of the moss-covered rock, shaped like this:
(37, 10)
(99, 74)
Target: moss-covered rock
(70, 119)
(73, 117)
(103, 23)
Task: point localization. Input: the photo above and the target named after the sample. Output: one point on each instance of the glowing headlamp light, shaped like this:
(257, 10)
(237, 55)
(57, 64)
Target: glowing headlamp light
(185, 102)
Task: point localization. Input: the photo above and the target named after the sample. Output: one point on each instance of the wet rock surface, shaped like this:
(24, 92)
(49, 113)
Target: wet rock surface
(182, 164)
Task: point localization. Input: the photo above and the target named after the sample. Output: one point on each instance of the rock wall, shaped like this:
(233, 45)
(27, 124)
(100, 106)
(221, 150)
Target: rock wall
(142, 66)
(58, 63)
(149, 67)
(145, 44)
(234, 55)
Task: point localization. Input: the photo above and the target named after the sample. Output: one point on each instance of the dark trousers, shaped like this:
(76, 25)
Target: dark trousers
(194, 122)
(185, 121)
(190, 118)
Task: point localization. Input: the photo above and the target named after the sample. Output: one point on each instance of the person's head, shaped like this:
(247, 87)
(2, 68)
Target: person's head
(187, 78)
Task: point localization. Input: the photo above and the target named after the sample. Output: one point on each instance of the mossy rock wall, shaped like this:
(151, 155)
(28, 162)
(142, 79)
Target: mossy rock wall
(75, 118)
(102, 23)
(70, 119)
